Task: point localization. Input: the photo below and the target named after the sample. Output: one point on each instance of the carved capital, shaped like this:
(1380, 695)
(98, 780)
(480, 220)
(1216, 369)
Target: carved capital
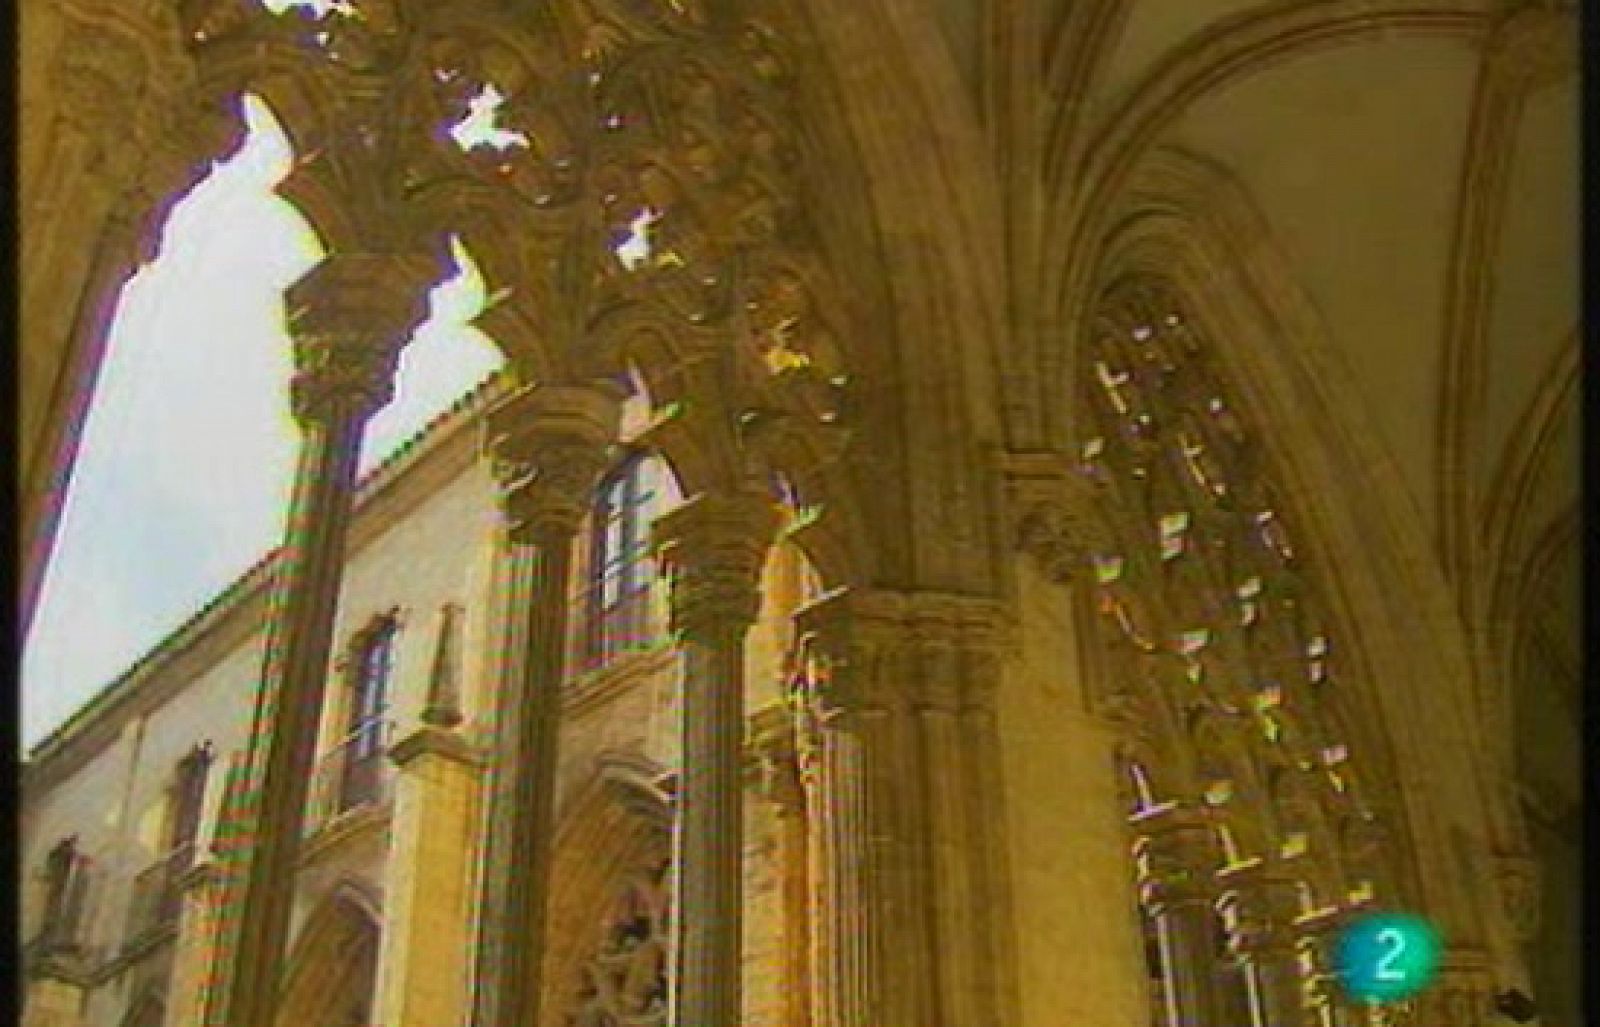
(547, 448)
(960, 639)
(1517, 882)
(713, 549)
(844, 641)
(1180, 855)
(1267, 903)
(1053, 513)
(349, 317)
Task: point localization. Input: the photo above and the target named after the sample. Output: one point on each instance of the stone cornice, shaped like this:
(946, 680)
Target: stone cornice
(440, 450)
(428, 740)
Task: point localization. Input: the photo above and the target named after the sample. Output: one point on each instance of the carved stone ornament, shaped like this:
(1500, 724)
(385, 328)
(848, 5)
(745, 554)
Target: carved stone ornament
(1517, 881)
(774, 746)
(1182, 852)
(349, 317)
(625, 983)
(547, 447)
(1054, 514)
(1463, 993)
(847, 639)
(712, 549)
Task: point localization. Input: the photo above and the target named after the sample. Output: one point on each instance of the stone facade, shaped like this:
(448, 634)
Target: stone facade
(1114, 475)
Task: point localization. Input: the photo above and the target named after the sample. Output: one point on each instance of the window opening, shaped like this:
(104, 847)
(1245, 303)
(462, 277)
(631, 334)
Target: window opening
(621, 572)
(362, 757)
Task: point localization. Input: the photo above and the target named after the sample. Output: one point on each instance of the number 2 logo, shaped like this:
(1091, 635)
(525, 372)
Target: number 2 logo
(1393, 942)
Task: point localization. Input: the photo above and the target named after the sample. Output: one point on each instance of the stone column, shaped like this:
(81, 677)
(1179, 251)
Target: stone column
(713, 549)
(1268, 902)
(547, 446)
(1178, 890)
(958, 640)
(349, 317)
(422, 966)
(773, 737)
(861, 946)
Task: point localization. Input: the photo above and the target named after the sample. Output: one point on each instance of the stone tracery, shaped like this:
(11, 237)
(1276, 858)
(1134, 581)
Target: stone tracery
(1217, 621)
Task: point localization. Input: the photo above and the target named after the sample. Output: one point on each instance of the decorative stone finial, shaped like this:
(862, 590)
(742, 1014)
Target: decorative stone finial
(443, 707)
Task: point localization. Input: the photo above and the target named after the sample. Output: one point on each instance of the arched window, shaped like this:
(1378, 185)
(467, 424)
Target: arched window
(361, 757)
(616, 610)
(1208, 606)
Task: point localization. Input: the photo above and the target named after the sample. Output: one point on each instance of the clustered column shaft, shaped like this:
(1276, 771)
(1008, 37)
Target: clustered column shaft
(842, 729)
(547, 446)
(775, 737)
(1178, 893)
(348, 317)
(1267, 902)
(906, 888)
(714, 547)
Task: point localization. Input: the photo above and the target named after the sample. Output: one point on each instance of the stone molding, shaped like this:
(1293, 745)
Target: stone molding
(430, 740)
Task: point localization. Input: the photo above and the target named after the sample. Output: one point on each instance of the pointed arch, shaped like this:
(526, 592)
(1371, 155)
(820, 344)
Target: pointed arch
(1186, 226)
(615, 834)
(332, 969)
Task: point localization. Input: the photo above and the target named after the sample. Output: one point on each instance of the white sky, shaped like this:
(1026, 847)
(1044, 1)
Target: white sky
(183, 474)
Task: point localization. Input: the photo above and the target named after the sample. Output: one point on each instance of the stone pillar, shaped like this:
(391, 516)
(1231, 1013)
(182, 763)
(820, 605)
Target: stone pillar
(773, 738)
(547, 446)
(864, 946)
(1265, 936)
(957, 643)
(349, 317)
(713, 548)
(422, 964)
(1178, 890)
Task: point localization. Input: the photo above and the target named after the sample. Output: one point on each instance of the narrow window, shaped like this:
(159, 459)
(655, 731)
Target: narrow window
(157, 898)
(187, 799)
(617, 604)
(64, 881)
(371, 664)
